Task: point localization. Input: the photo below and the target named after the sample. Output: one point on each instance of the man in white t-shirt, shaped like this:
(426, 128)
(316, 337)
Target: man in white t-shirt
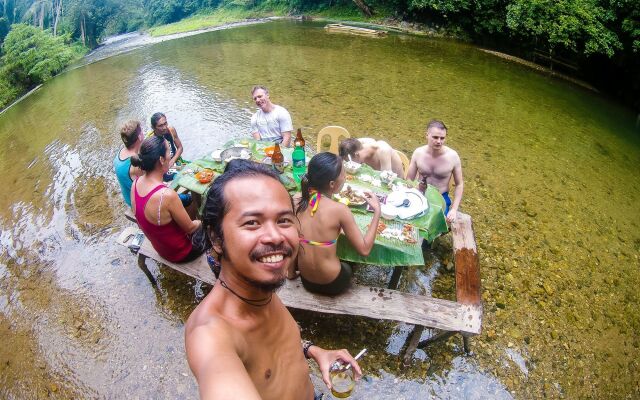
(271, 122)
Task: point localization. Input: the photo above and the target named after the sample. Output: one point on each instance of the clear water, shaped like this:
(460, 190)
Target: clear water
(551, 181)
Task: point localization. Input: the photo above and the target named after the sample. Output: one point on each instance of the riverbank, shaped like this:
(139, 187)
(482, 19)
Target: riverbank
(543, 160)
(223, 18)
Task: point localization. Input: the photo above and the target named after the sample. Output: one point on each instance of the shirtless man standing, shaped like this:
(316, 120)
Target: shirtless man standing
(241, 341)
(435, 164)
(377, 154)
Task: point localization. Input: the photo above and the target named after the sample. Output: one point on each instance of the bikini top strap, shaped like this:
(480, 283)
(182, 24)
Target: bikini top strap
(160, 204)
(314, 201)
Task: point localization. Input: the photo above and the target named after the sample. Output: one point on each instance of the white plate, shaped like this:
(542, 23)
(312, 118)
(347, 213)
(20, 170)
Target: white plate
(418, 204)
(216, 155)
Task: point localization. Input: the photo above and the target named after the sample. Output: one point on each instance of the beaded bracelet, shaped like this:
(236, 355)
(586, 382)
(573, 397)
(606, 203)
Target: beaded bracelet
(305, 347)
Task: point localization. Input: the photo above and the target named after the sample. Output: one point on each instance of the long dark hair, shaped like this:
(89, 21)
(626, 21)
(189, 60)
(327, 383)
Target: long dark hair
(151, 150)
(323, 168)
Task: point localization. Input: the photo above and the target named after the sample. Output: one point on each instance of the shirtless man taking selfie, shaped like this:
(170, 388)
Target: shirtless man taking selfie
(435, 164)
(241, 341)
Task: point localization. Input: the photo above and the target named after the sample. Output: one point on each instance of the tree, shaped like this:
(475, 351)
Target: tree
(32, 56)
(4, 28)
(87, 19)
(577, 25)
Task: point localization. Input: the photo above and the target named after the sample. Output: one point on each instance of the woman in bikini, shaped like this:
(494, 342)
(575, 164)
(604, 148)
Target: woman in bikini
(321, 221)
(158, 209)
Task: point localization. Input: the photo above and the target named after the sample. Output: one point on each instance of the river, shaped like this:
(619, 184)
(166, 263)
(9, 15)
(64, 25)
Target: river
(551, 182)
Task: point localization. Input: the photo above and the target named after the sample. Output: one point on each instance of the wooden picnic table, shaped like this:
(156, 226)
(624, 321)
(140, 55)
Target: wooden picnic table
(386, 252)
(463, 316)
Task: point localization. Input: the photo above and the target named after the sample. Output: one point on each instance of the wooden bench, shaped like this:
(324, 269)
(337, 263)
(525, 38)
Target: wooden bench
(463, 316)
(468, 289)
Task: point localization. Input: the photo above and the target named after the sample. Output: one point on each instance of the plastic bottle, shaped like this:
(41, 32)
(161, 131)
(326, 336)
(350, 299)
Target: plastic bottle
(298, 158)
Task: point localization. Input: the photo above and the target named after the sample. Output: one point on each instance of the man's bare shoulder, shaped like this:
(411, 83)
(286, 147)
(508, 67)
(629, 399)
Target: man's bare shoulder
(420, 151)
(207, 317)
(207, 333)
(452, 154)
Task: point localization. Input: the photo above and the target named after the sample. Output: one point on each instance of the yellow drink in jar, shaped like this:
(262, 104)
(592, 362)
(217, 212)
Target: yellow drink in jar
(342, 383)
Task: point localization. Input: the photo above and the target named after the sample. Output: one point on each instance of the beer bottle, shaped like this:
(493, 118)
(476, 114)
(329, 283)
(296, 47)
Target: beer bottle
(298, 158)
(277, 159)
(299, 141)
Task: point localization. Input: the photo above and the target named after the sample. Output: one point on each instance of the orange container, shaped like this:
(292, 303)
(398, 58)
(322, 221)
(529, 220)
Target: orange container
(269, 150)
(204, 176)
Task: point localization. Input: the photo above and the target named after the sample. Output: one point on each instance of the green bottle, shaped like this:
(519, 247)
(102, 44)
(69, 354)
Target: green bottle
(298, 158)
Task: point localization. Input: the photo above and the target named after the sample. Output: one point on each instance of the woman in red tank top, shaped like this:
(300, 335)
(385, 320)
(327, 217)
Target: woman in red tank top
(158, 209)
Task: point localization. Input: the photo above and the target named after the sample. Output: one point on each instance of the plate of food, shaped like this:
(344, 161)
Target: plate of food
(235, 152)
(353, 195)
(204, 176)
(405, 234)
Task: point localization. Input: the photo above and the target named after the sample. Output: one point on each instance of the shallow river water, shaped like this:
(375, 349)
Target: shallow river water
(551, 182)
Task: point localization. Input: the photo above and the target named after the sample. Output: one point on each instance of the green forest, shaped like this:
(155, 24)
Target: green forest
(594, 40)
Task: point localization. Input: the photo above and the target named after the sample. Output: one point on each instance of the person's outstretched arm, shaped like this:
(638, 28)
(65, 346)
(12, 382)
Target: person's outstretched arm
(178, 143)
(214, 361)
(362, 244)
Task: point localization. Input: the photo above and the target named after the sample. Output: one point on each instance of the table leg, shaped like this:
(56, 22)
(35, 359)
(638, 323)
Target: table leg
(143, 266)
(197, 203)
(395, 277)
(444, 335)
(412, 344)
(466, 343)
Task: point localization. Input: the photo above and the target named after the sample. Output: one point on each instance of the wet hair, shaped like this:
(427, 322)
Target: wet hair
(151, 150)
(349, 147)
(155, 118)
(217, 206)
(257, 87)
(323, 168)
(129, 132)
(436, 123)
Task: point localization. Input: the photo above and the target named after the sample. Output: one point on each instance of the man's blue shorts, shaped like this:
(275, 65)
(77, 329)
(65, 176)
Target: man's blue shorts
(447, 202)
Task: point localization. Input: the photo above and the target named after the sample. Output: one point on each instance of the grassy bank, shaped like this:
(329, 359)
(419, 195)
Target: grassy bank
(222, 16)
(218, 17)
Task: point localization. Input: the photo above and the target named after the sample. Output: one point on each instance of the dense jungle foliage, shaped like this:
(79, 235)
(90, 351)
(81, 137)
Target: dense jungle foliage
(596, 40)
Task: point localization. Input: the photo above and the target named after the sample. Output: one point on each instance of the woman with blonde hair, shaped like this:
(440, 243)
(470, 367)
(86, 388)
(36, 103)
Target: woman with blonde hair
(131, 135)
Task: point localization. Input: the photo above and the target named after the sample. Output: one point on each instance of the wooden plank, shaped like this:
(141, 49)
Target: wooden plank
(372, 302)
(354, 30)
(468, 290)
